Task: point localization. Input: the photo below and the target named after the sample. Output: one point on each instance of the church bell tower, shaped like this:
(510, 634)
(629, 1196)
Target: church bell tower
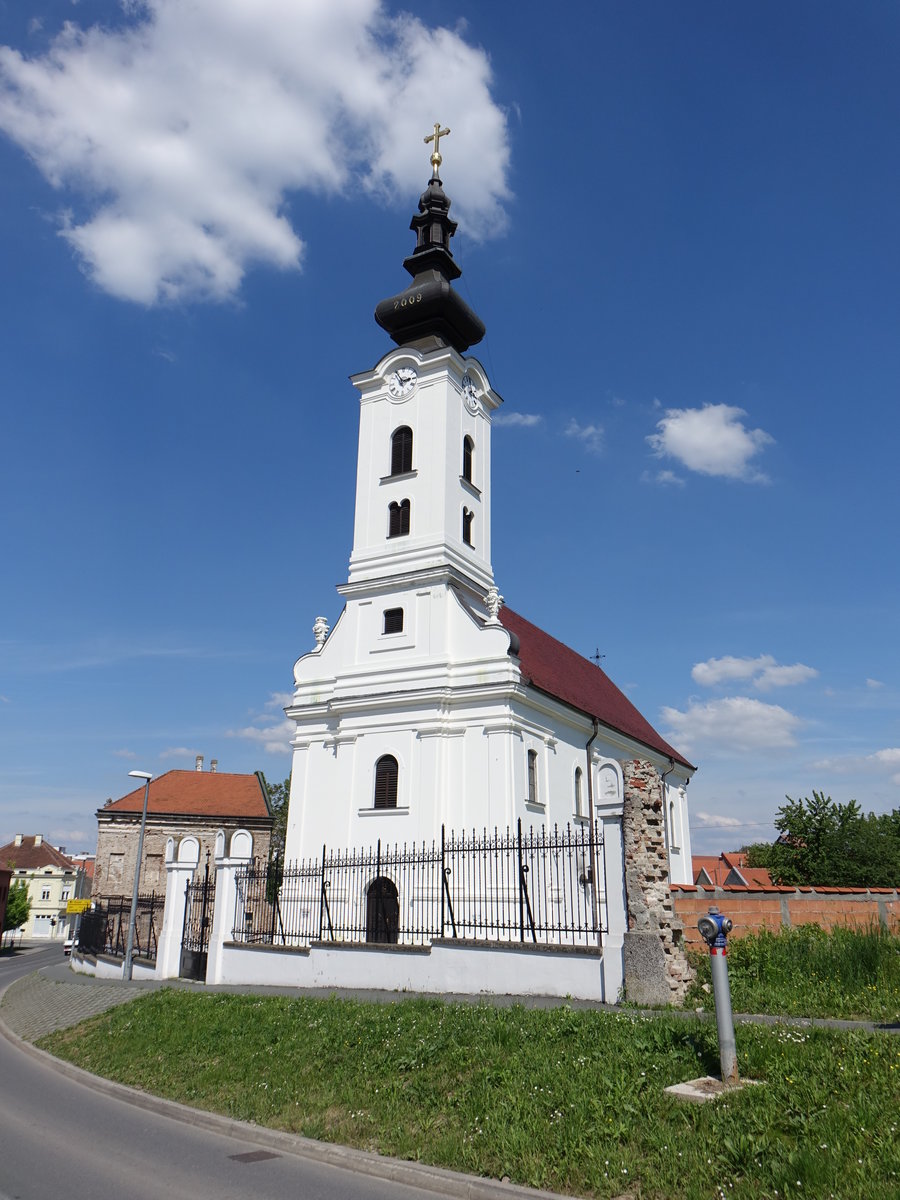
(423, 473)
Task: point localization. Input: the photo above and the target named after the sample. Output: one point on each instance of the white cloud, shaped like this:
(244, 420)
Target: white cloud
(124, 754)
(763, 672)
(874, 684)
(876, 762)
(274, 737)
(712, 441)
(524, 420)
(736, 723)
(669, 478)
(181, 133)
(178, 752)
(590, 435)
(715, 821)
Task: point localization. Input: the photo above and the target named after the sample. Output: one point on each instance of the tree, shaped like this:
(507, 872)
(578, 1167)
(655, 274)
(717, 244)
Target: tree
(279, 794)
(18, 906)
(824, 844)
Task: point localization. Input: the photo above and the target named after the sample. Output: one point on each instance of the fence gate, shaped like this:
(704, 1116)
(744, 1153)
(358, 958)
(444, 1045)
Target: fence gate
(199, 899)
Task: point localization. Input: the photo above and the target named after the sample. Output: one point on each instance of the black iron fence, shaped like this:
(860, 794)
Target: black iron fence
(104, 929)
(532, 885)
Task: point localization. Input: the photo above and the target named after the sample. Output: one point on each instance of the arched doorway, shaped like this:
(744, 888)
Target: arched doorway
(382, 911)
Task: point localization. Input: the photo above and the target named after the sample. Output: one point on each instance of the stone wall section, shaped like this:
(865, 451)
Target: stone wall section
(656, 966)
(117, 842)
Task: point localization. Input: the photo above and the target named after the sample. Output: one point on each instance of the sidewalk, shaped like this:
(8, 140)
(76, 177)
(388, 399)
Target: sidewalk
(57, 997)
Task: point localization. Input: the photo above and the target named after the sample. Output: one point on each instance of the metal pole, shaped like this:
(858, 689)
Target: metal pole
(127, 967)
(715, 929)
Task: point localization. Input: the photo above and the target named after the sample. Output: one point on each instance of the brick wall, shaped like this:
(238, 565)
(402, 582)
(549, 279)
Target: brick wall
(752, 909)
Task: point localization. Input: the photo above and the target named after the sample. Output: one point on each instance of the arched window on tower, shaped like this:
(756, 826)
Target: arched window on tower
(401, 450)
(579, 793)
(398, 518)
(468, 518)
(386, 776)
(468, 452)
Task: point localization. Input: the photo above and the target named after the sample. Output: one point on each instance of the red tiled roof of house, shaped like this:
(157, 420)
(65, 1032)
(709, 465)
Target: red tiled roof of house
(29, 857)
(554, 668)
(201, 793)
(723, 868)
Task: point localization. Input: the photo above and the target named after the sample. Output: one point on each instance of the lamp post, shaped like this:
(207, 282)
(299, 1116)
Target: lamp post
(127, 967)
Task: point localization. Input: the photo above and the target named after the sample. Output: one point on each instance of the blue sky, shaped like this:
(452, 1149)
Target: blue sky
(679, 224)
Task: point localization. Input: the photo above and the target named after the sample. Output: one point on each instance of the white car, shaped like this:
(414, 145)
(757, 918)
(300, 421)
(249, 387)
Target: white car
(67, 945)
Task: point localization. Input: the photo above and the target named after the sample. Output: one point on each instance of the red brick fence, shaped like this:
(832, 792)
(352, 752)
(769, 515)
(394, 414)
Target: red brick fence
(753, 909)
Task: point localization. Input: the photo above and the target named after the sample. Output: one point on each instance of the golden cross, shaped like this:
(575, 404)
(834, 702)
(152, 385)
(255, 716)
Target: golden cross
(435, 137)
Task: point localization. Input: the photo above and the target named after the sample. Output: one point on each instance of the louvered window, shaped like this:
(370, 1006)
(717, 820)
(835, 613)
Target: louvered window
(393, 620)
(468, 450)
(398, 518)
(386, 773)
(401, 450)
(468, 518)
(532, 777)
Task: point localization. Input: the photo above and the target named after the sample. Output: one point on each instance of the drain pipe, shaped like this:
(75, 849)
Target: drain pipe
(591, 838)
(667, 833)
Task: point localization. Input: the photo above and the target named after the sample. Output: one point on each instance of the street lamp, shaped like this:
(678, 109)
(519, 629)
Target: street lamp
(127, 968)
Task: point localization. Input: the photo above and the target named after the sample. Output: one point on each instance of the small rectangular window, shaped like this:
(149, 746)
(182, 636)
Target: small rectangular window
(532, 777)
(393, 620)
(45, 893)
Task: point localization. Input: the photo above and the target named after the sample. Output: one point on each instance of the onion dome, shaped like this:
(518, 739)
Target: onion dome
(430, 307)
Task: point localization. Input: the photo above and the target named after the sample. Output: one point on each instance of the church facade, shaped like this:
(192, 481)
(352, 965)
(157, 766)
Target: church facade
(431, 705)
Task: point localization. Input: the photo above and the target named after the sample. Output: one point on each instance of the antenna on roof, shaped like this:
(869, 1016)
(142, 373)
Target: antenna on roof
(596, 656)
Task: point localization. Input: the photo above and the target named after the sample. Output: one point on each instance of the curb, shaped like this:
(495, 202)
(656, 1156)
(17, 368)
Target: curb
(438, 1180)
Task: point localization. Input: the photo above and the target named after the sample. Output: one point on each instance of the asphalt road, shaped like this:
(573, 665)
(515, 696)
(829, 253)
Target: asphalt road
(59, 1135)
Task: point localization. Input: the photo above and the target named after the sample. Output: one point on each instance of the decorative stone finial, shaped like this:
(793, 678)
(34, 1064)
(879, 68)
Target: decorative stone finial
(320, 632)
(493, 602)
(435, 137)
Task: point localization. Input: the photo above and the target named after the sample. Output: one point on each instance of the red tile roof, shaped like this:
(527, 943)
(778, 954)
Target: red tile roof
(29, 857)
(200, 793)
(554, 668)
(722, 869)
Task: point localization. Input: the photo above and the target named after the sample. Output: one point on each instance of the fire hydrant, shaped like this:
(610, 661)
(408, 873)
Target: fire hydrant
(715, 929)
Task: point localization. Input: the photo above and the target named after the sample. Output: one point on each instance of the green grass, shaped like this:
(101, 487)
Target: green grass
(567, 1100)
(808, 972)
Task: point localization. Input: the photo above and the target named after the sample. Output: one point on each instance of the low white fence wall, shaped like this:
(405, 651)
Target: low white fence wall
(456, 967)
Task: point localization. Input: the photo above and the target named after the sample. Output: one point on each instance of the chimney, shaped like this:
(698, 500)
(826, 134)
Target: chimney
(38, 838)
(198, 763)
(18, 839)
(213, 765)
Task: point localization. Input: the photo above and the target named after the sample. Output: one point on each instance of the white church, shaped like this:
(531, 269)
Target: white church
(474, 807)
(430, 703)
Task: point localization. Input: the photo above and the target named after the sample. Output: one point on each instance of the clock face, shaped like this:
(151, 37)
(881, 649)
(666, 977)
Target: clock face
(402, 382)
(470, 392)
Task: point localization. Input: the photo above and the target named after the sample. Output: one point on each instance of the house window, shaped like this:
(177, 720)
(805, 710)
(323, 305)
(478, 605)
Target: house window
(398, 518)
(393, 620)
(468, 518)
(579, 792)
(386, 773)
(45, 893)
(401, 450)
(468, 451)
(532, 777)
(66, 893)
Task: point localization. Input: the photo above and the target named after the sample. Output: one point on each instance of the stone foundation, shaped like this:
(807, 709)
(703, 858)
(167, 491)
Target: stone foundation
(656, 966)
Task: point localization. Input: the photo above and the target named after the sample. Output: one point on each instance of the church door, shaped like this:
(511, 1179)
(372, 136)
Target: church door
(382, 911)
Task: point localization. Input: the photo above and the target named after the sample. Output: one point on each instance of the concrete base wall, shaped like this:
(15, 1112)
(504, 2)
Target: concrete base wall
(106, 967)
(463, 968)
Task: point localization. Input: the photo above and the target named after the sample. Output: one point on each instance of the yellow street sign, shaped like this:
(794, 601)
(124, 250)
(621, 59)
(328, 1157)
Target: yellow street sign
(77, 906)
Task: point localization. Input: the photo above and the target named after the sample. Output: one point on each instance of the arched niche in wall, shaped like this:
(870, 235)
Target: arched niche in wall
(188, 851)
(609, 784)
(241, 844)
(219, 851)
(170, 850)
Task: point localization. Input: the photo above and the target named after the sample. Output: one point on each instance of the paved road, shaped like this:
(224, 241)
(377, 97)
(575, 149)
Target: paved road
(62, 1130)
